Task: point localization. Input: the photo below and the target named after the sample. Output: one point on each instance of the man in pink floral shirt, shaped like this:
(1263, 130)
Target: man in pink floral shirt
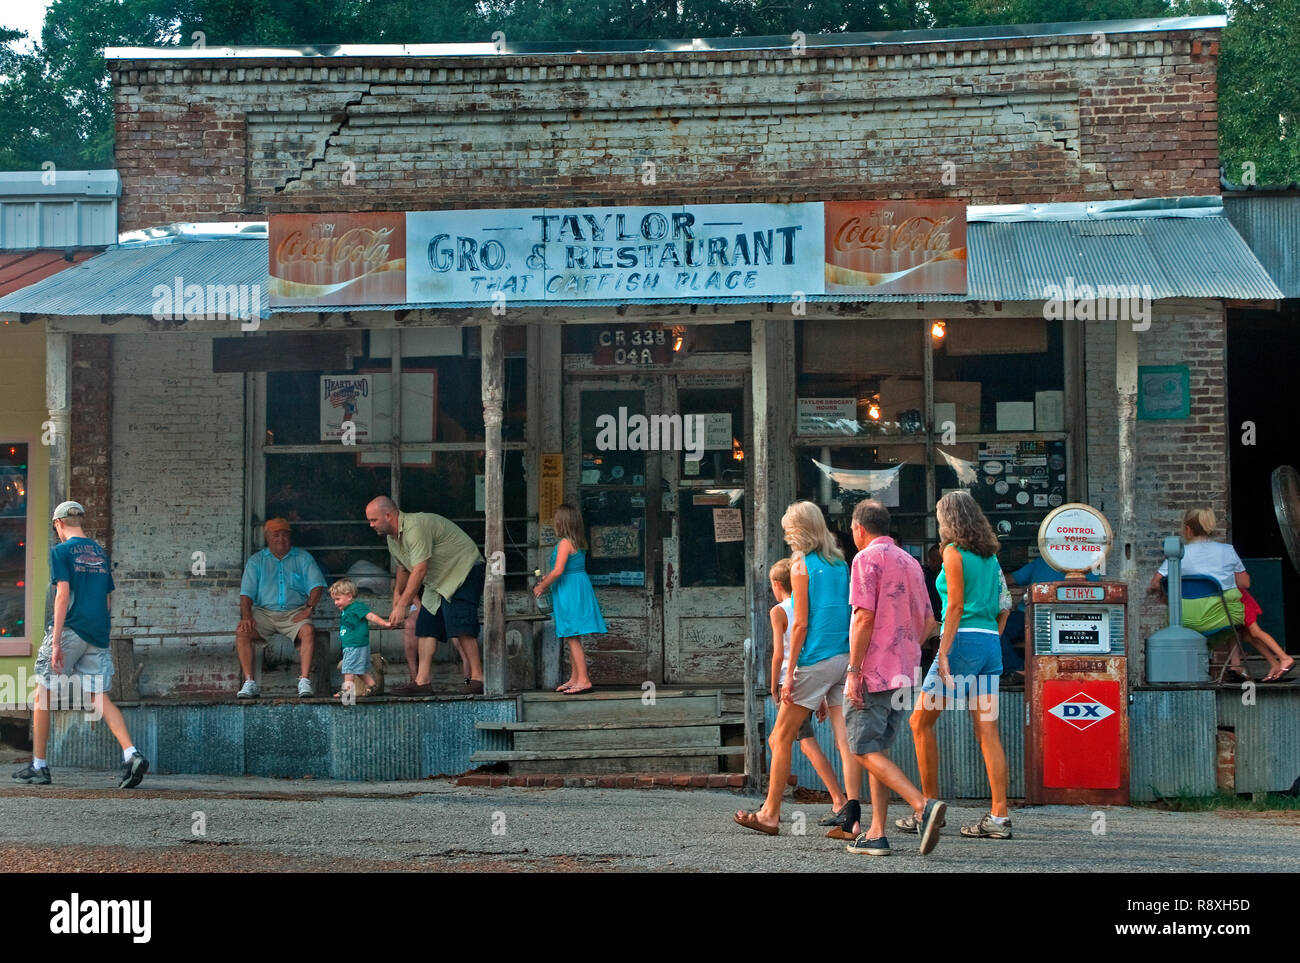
(891, 618)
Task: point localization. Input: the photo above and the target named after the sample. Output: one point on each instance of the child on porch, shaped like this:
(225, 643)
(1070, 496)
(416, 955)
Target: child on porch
(573, 600)
(782, 616)
(354, 635)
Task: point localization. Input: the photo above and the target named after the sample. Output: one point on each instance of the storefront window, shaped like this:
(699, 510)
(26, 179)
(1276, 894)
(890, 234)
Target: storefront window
(860, 378)
(325, 490)
(13, 540)
(997, 429)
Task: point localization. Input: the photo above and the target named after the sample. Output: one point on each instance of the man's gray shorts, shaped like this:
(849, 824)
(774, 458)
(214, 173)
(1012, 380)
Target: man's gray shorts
(872, 728)
(90, 665)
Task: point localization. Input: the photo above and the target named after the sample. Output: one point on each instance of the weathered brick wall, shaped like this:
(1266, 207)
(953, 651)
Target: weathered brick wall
(1180, 464)
(1020, 121)
(178, 489)
(90, 396)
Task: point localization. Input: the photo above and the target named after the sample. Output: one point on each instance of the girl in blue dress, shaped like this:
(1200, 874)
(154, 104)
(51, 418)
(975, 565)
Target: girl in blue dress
(573, 600)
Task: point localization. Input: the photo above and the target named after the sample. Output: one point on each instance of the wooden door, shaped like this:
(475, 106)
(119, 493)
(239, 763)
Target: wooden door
(617, 490)
(706, 531)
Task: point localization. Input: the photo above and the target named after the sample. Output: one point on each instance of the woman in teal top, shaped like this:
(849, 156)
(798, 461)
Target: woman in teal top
(819, 652)
(970, 656)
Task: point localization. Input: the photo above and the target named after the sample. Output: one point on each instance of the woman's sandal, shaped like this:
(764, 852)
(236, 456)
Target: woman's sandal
(750, 821)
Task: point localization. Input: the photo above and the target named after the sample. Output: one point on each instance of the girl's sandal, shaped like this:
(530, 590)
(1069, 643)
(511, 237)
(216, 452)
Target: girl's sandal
(750, 821)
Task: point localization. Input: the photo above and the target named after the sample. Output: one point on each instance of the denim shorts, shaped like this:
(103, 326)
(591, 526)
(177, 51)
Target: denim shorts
(975, 661)
(356, 659)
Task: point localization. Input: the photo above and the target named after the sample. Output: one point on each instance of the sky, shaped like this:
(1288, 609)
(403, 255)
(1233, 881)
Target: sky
(25, 15)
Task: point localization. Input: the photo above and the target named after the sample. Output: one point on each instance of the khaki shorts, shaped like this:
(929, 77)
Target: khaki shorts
(269, 623)
(821, 680)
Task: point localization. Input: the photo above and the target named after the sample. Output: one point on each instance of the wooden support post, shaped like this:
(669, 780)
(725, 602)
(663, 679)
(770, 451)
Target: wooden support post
(1126, 389)
(494, 588)
(58, 368)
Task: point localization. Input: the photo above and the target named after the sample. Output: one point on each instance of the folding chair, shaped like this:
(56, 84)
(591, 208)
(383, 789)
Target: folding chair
(1202, 587)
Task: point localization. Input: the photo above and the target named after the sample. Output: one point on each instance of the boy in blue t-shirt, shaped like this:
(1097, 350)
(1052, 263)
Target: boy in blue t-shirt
(354, 635)
(76, 644)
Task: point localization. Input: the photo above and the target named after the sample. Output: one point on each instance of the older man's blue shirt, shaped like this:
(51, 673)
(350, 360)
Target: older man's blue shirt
(281, 584)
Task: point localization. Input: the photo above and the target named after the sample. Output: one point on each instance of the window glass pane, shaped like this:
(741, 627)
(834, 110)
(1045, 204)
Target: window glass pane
(13, 567)
(723, 422)
(1018, 363)
(705, 561)
(615, 523)
(1017, 483)
(325, 497)
(613, 444)
(294, 399)
(454, 486)
(13, 540)
(860, 378)
(893, 474)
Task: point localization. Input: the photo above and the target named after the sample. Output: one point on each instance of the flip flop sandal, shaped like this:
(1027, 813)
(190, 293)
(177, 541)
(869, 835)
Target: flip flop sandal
(750, 821)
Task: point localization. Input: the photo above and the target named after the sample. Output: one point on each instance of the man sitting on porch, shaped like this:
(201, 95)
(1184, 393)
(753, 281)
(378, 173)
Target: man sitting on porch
(280, 587)
(441, 566)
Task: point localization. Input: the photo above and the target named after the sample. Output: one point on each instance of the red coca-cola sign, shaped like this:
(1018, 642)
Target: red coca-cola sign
(337, 259)
(896, 247)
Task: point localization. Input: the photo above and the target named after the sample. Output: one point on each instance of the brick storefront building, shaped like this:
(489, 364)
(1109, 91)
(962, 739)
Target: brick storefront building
(1079, 157)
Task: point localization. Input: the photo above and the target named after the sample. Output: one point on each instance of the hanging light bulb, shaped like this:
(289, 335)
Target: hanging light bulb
(873, 409)
(938, 329)
(679, 337)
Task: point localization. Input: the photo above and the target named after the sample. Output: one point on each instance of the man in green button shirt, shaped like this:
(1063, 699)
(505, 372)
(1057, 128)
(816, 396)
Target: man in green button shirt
(441, 566)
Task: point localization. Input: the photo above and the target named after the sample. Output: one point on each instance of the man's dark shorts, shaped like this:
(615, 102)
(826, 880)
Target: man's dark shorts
(871, 729)
(457, 615)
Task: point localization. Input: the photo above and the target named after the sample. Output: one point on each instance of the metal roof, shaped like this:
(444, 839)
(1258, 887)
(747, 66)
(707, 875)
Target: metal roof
(1157, 257)
(1271, 226)
(121, 281)
(58, 209)
(693, 45)
(1177, 257)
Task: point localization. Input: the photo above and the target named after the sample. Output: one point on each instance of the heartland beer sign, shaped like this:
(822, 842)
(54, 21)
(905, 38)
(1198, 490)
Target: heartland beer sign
(745, 252)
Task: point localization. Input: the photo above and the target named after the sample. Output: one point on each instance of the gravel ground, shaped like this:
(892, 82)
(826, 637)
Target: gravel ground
(268, 825)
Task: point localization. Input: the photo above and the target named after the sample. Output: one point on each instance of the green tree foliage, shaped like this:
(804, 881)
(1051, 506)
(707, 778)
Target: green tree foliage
(55, 102)
(1259, 92)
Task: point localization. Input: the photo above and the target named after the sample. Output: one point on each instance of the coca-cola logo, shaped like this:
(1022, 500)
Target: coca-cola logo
(370, 246)
(877, 233)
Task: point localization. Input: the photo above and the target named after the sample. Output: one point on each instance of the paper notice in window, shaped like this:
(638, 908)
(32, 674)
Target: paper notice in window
(728, 525)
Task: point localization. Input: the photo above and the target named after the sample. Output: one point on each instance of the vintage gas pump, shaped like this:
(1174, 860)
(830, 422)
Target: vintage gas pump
(1076, 685)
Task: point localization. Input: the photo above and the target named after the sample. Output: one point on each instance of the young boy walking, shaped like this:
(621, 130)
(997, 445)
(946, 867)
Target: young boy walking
(782, 617)
(354, 636)
(76, 644)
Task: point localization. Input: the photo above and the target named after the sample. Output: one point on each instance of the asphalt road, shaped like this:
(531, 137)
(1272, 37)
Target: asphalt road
(236, 824)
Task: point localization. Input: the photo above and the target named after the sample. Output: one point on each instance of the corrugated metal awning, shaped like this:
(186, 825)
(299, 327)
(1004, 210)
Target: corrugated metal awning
(1173, 257)
(1271, 226)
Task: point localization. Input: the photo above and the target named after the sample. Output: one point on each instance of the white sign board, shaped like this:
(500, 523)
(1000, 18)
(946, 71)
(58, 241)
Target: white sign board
(1075, 538)
(824, 416)
(628, 253)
